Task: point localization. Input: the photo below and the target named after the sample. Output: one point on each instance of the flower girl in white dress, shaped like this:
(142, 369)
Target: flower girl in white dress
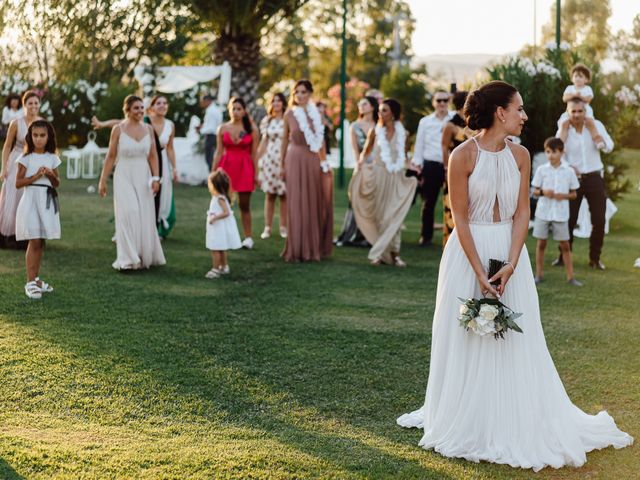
(37, 215)
(498, 400)
(222, 230)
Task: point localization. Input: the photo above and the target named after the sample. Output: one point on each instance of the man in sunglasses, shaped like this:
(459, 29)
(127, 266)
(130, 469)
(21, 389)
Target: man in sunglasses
(427, 159)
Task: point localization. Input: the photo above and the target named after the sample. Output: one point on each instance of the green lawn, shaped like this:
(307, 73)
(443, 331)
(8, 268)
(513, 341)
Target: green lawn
(278, 371)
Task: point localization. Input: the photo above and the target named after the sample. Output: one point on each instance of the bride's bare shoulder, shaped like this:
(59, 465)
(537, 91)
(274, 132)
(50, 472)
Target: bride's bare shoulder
(463, 157)
(520, 153)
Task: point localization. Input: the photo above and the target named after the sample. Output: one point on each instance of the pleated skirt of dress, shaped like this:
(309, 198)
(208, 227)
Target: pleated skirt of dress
(500, 401)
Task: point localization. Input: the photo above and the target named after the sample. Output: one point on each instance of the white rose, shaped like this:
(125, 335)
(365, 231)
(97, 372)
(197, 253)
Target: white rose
(464, 309)
(482, 321)
(488, 312)
(487, 330)
(472, 325)
(484, 327)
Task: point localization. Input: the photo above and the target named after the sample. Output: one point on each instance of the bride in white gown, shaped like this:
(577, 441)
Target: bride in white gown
(501, 401)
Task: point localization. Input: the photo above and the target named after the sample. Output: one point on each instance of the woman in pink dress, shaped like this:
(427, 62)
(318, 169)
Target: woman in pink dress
(236, 155)
(13, 148)
(309, 180)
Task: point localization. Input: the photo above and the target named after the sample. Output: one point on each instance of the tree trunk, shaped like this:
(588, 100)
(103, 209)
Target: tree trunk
(243, 54)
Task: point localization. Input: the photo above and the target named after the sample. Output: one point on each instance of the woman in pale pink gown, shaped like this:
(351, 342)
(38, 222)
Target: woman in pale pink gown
(308, 180)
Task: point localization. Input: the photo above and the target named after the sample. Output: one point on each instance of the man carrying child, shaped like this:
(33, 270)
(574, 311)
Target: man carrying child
(582, 154)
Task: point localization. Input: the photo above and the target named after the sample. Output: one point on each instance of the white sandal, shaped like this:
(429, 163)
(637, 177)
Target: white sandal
(213, 273)
(33, 290)
(266, 234)
(44, 286)
(398, 262)
(224, 270)
(283, 232)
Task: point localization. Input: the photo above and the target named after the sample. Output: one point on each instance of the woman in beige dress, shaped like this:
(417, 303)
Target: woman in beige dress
(309, 180)
(135, 182)
(379, 190)
(13, 148)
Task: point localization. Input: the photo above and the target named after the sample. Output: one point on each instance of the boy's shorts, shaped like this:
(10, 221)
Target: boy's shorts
(541, 229)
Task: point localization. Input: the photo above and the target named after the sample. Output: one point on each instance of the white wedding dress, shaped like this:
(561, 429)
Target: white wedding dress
(501, 401)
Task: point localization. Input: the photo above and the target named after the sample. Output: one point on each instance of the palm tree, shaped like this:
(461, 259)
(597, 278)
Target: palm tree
(238, 25)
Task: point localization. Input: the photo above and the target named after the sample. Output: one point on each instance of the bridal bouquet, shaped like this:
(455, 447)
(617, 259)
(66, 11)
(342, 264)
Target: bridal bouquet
(488, 316)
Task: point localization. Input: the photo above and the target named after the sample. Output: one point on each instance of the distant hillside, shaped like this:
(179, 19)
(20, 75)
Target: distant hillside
(457, 68)
(467, 66)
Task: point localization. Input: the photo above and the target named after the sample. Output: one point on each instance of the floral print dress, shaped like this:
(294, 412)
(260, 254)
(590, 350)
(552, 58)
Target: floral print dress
(269, 166)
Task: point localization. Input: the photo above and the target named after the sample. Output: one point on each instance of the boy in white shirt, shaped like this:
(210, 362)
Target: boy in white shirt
(555, 183)
(580, 77)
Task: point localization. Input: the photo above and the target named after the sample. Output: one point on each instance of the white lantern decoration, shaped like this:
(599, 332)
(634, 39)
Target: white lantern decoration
(92, 157)
(74, 166)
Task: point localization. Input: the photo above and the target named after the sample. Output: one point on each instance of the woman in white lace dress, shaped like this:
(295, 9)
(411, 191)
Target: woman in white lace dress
(269, 154)
(135, 182)
(501, 401)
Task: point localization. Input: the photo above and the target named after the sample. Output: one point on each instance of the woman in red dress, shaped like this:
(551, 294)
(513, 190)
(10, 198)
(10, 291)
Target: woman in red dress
(236, 155)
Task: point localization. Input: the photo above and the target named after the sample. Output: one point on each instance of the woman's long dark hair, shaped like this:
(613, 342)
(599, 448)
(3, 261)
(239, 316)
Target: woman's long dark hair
(308, 86)
(155, 98)
(246, 122)
(373, 101)
(10, 98)
(395, 107)
(283, 99)
(50, 147)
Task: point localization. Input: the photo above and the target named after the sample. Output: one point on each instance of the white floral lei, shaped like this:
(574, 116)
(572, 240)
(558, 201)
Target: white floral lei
(315, 137)
(392, 165)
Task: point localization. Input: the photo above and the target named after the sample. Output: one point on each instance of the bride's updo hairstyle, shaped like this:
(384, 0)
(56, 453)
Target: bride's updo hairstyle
(482, 103)
(394, 106)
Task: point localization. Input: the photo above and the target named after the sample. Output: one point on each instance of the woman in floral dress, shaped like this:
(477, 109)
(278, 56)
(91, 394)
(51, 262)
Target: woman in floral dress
(269, 154)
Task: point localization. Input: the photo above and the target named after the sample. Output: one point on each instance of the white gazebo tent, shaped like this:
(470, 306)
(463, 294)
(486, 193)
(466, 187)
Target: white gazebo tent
(178, 79)
(191, 165)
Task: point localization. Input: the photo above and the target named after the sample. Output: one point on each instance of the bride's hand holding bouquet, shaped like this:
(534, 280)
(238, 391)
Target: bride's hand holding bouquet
(501, 277)
(485, 286)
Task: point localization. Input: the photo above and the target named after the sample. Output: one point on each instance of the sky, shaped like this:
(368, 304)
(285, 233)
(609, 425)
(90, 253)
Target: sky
(491, 26)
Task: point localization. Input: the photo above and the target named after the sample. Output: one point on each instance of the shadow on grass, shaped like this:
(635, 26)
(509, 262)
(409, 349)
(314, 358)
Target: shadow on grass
(313, 385)
(284, 351)
(8, 473)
